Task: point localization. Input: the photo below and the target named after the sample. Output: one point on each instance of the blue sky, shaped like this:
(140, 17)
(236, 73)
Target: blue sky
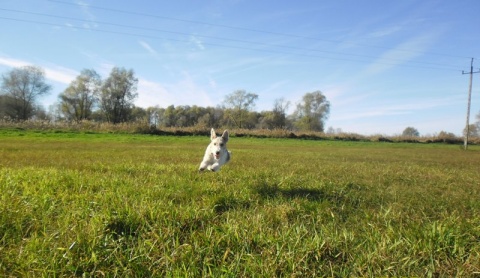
(383, 65)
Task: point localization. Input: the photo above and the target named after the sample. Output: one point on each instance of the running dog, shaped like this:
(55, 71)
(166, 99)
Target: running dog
(216, 154)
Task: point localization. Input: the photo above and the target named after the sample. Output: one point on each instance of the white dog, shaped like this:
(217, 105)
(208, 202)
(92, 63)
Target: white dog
(216, 154)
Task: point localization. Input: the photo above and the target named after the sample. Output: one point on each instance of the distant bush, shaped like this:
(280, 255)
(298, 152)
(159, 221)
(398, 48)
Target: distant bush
(200, 130)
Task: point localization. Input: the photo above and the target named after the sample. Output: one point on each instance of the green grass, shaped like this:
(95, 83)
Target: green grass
(86, 204)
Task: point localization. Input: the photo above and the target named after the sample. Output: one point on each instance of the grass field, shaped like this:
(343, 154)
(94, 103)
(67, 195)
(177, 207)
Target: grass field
(94, 205)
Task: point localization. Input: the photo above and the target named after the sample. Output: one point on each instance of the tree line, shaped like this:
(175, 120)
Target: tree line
(89, 97)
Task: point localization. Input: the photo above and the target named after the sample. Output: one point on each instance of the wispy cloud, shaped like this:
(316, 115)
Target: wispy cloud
(152, 93)
(188, 91)
(273, 88)
(149, 49)
(88, 14)
(387, 31)
(60, 74)
(183, 92)
(105, 68)
(382, 112)
(238, 66)
(197, 42)
(401, 54)
(407, 25)
(213, 83)
(9, 62)
(54, 73)
(404, 108)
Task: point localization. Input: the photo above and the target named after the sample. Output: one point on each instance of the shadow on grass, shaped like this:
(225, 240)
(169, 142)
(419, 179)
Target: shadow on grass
(273, 191)
(125, 226)
(349, 194)
(224, 204)
(344, 201)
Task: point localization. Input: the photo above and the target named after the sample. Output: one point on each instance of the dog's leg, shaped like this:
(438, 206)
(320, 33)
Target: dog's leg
(203, 166)
(207, 158)
(214, 167)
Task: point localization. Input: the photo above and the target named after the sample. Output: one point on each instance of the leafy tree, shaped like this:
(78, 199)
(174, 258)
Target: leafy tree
(180, 116)
(7, 107)
(447, 137)
(167, 118)
(21, 87)
(312, 112)
(211, 117)
(277, 118)
(444, 134)
(205, 120)
(79, 98)
(117, 95)
(238, 105)
(138, 114)
(266, 120)
(410, 132)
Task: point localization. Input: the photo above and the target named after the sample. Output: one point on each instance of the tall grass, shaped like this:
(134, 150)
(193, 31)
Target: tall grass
(145, 128)
(80, 204)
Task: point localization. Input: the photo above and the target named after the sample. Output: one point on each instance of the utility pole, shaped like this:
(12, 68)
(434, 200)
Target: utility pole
(467, 128)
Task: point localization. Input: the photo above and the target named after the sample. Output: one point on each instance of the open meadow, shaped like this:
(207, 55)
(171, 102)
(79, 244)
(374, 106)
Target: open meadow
(124, 205)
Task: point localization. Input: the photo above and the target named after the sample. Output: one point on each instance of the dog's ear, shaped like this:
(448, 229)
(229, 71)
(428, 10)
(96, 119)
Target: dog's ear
(225, 136)
(213, 135)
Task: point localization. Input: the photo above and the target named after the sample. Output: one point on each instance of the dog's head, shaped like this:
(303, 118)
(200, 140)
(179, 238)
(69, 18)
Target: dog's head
(218, 144)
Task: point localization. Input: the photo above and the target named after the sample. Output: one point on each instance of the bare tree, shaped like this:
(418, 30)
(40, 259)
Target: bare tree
(78, 99)
(473, 130)
(21, 87)
(312, 112)
(280, 108)
(476, 125)
(238, 105)
(117, 95)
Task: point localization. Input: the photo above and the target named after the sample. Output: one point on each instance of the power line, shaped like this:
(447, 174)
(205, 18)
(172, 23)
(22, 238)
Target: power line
(220, 38)
(420, 64)
(226, 46)
(244, 28)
